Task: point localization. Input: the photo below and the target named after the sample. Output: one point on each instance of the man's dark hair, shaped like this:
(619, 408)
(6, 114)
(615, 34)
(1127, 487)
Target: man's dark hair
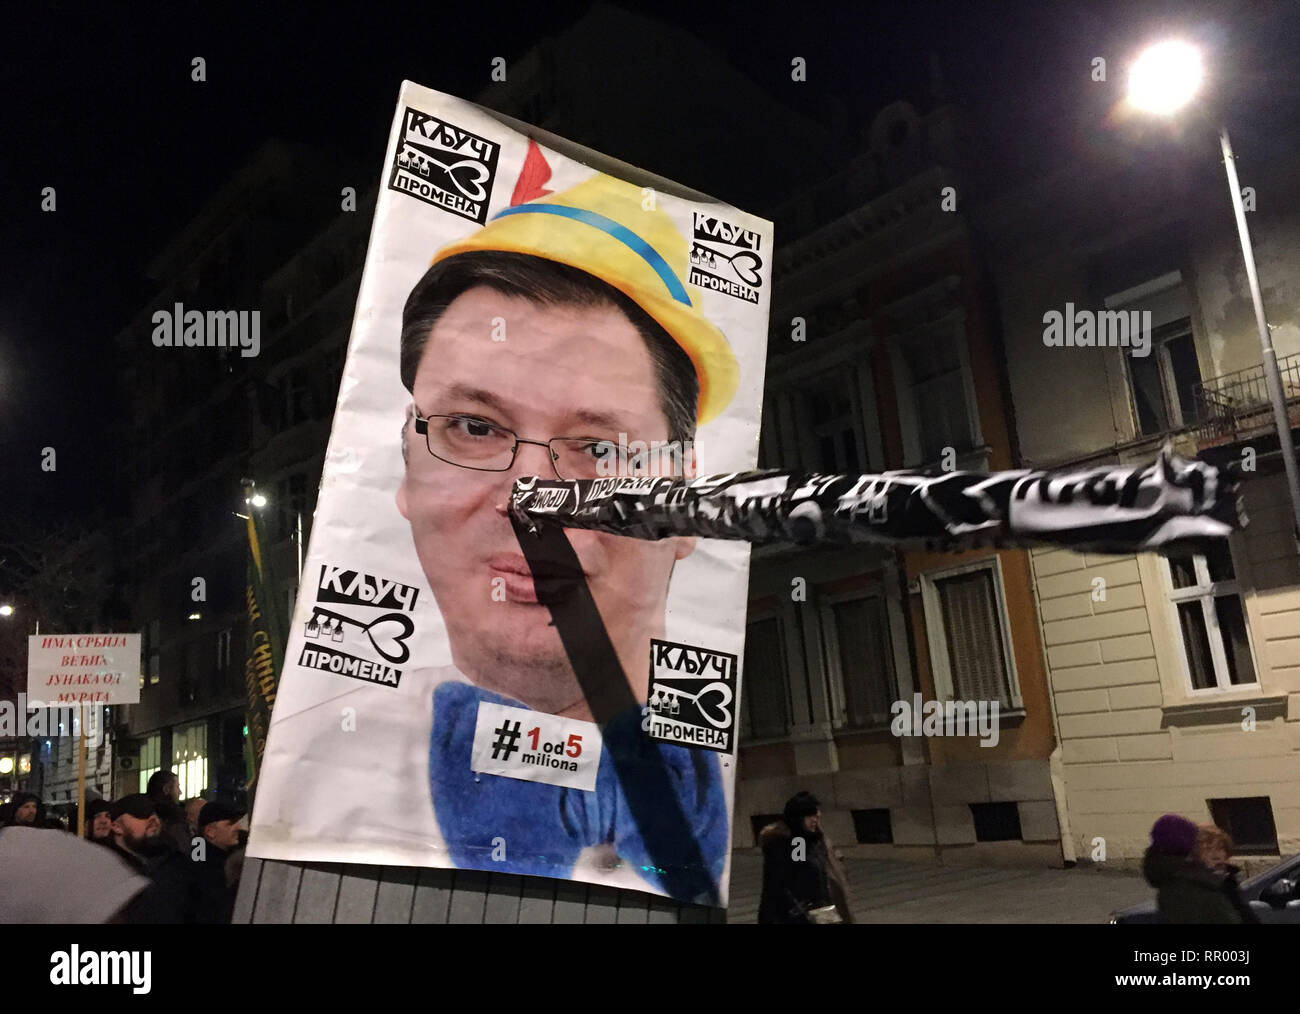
(158, 781)
(551, 284)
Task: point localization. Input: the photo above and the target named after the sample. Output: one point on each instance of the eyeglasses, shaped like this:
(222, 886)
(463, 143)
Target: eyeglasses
(469, 442)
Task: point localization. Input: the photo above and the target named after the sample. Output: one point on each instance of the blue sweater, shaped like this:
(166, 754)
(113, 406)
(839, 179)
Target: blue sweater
(544, 826)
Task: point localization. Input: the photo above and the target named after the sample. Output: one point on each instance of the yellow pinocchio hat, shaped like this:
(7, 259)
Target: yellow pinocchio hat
(600, 226)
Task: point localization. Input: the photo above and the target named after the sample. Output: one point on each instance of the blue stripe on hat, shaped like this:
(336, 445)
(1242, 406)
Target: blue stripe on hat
(619, 232)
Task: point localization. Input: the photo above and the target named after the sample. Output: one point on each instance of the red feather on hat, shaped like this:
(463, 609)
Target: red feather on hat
(531, 177)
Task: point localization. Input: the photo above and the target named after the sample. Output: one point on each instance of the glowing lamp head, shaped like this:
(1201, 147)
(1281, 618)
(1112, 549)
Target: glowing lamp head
(1165, 77)
(6, 610)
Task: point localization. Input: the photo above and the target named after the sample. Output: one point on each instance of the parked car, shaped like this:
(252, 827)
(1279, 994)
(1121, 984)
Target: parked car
(1273, 895)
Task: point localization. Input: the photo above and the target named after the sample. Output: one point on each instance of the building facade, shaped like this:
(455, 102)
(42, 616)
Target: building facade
(884, 355)
(1176, 678)
(204, 420)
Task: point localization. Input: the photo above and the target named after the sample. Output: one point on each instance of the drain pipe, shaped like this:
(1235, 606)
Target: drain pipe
(1055, 762)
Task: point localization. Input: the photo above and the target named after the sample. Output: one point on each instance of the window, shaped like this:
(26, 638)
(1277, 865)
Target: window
(150, 759)
(937, 388)
(767, 693)
(151, 649)
(936, 404)
(223, 649)
(1211, 618)
(328, 376)
(996, 821)
(1249, 823)
(823, 421)
(861, 653)
(1163, 383)
(190, 758)
(297, 408)
(829, 411)
(193, 672)
(873, 827)
(967, 631)
(290, 503)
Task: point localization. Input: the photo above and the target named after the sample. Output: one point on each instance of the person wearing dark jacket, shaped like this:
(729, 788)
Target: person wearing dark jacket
(217, 824)
(800, 871)
(26, 810)
(165, 790)
(1186, 890)
(172, 896)
(1214, 847)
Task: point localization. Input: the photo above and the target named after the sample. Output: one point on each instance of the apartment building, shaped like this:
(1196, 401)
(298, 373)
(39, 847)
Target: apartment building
(884, 355)
(1176, 678)
(202, 420)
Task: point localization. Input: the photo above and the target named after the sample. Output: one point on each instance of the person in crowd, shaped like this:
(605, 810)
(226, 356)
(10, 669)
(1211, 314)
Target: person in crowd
(803, 881)
(173, 895)
(219, 826)
(27, 811)
(99, 824)
(165, 790)
(193, 807)
(1214, 849)
(1187, 891)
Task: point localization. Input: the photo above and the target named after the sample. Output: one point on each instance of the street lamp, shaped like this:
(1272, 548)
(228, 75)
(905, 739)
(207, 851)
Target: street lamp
(1163, 79)
(6, 610)
(256, 499)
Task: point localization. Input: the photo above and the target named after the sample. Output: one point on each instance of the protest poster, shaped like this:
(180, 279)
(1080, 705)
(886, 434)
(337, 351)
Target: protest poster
(81, 669)
(452, 697)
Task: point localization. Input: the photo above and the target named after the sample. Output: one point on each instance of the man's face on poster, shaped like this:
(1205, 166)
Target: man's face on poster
(541, 371)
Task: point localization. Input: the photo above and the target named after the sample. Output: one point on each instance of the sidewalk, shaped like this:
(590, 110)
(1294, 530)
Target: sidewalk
(894, 891)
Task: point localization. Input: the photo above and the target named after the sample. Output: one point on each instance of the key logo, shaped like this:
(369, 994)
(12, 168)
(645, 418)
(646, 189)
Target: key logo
(693, 695)
(445, 165)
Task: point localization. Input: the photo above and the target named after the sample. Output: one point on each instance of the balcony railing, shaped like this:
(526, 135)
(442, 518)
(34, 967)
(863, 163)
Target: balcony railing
(1236, 406)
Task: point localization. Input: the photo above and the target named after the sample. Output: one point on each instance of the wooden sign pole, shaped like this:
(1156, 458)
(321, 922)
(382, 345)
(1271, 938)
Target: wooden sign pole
(82, 747)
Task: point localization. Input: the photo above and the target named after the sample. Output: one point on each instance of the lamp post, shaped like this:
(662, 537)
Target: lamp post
(1163, 79)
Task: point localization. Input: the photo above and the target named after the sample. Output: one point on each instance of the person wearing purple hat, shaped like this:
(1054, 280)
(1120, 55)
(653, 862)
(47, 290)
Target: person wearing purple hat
(1186, 890)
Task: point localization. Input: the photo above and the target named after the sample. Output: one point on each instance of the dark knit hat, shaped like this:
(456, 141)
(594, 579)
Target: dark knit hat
(1173, 835)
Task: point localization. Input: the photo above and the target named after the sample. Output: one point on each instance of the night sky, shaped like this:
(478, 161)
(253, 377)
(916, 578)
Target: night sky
(98, 103)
